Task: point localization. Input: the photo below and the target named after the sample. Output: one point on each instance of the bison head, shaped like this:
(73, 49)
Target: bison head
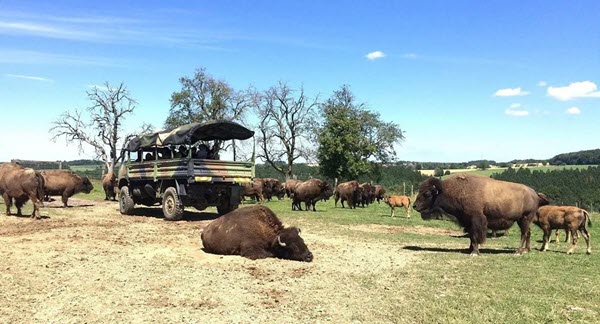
(86, 185)
(326, 190)
(428, 193)
(289, 245)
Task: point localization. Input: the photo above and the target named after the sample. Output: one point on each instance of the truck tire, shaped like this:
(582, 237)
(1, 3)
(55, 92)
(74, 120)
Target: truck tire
(225, 207)
(126, 204)
(172, 207)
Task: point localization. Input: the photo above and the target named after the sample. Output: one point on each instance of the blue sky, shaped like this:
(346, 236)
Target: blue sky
(464, 79)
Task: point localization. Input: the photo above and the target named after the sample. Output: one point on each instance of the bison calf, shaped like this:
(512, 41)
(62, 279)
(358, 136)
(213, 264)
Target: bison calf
(255, 233)
(65, 184)
(572, 219)
(398, 201)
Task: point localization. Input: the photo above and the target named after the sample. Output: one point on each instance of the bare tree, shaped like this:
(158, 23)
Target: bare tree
(285, 124)
(99, 126)
(204, 98)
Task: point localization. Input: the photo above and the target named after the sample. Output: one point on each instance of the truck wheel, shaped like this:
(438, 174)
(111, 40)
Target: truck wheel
(126, 204)
(172, 207)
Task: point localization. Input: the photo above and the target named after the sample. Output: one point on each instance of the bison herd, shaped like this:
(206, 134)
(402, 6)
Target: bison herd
(476, 203)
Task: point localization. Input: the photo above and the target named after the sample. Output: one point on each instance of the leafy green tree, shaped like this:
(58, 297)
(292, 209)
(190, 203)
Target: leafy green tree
(202, 98)
(483, 165)
(352, 137)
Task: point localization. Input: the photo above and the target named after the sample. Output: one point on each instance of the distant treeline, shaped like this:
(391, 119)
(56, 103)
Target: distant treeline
(396, 178)
(579, 187)
(578, 158)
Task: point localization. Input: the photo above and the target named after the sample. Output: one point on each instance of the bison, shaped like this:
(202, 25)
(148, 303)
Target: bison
(21, 184)
(478, 203)
(379, 193)
(348, 191)
(311, 191)
(254, 232)
(570, 218)
(367, 194)
(65, 184)
(109, 182)
(254, 190)
(290, 185)
(272, 187)
(398, 201)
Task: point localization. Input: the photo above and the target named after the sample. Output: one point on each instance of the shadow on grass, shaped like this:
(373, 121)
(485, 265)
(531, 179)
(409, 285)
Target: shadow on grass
(70, 206)
(463, 251)
(26, 216)
(188, 215)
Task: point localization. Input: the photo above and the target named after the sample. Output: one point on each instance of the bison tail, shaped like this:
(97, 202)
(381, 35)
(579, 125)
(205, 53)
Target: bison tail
(587, 216)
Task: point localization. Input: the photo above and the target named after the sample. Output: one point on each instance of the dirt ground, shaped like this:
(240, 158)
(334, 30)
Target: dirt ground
(90, 264)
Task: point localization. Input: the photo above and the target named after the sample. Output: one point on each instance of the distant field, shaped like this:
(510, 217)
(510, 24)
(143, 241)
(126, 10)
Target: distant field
(489, 172)
(83, 168)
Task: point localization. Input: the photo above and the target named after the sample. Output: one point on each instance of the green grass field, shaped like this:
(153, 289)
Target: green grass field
(489, 172)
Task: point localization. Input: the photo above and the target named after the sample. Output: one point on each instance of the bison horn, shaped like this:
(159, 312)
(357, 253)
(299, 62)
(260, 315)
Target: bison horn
(279, 241)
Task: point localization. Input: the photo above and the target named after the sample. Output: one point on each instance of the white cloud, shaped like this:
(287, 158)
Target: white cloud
(584, 89)
(542, 84)
(410, 56)
(375, 55)
(574, 111)
(510, 92)
(28, 77)
(516, 113)
(515, 105)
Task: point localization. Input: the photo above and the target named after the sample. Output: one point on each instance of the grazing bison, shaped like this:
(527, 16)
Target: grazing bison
(254, 190)
(398, 201)
(290, 185)
(21, 184)
(310, 192)
(478, 203)
(65, 184)
(570, 218)
(109, 182)
(256, 233)
(379, 193)
(348, 191)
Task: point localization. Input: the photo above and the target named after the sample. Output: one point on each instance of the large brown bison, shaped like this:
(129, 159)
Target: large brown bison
(109, 182)
(570, 218)
(379, 193)
(478, 203)
(368, 192)
(256, 233)
(272, 187)
(398, 201)
(254, 190)
(65, 184)
(310, 192)
(290, 185)
(349, 191)
(21, 184)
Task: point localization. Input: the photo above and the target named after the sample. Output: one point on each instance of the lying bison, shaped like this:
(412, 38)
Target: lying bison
(398, 201)
(65, 184)
(348, 191)
(570, 218)
(256, 233)
(478, 203)
(109, 182)
(310, 192)
(21, 184)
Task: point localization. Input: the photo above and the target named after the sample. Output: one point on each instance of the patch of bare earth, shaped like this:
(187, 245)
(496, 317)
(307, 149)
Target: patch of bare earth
(422, 230)
(89, 264)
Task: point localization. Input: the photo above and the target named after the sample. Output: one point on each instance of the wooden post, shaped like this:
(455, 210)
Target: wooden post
(411, 191)
(404, 188)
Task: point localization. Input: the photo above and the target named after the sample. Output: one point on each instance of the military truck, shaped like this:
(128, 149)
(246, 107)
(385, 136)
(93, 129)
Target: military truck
(176, 169)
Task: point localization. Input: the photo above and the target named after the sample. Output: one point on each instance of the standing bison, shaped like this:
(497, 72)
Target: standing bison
(310, 192)
(367, 194)
(348, 191)
(379, 193)
(290, 186)
(272, 187)
(254, 190)
(21, 184)
(398, 201)
(109, 182)
(570, 218)
(65, 184)
(478, 203)
(256, 233)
